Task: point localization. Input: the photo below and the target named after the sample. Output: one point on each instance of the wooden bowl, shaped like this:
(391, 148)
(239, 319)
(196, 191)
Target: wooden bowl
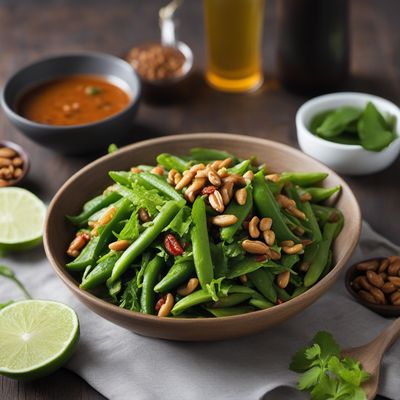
(92, 179)
(387, 310)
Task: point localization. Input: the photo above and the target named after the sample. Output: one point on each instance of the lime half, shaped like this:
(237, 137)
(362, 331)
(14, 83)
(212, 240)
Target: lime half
(21, 219)
(36, 338)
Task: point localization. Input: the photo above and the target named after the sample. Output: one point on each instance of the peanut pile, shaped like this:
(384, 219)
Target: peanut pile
(156, 62)
(11, 166)
(379, 281)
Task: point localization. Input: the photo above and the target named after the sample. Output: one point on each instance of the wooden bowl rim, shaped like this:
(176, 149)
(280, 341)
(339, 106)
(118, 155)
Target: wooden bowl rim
(205, 322)
(351, 273)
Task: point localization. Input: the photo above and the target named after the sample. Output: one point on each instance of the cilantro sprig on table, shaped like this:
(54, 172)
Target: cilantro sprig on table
(8, 273)
(326, 375)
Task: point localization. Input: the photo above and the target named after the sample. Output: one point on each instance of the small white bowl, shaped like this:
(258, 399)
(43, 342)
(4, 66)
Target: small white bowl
(344, 158)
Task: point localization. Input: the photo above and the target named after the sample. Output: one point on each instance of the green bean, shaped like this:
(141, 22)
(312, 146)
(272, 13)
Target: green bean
(241, 212)
(100, 273)
(298, 291)
(282, 293)
(202, 153)
(303, 178)
(219, 260)
(150, 278)
(86, 257)
(268, 207)
(329, 214)
(263, 281)
(241, 289)
(178, 274)
(318, 264)
(167, 212)
(124, 178)
(160, 184)
(240, 168)
(305, 207)
(275, 187)
(245, 266)
(172, 162)
(262, 304)
(191, 300)
(145, 168)
(92, 206)
(230, 311)
(231, 300)
(319, 194)
(200, 243)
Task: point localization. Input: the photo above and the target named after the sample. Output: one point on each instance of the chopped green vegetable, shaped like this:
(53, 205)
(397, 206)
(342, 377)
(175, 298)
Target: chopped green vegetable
(326, 374)
(92, 90)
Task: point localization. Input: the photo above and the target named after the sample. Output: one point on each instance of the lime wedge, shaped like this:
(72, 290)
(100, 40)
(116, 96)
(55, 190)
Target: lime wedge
(21, 219)
(36, 338)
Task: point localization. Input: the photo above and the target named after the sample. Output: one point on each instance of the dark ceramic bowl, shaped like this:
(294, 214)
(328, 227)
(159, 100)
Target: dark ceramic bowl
(387, 310)
(21, 153)
(77, 139)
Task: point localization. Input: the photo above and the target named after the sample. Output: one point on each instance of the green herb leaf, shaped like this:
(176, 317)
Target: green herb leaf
(375, 134)
(92, 90)
(130, 298)
(130, 231)
(310, 378)
(112, 148)
(181, 222)
(337, 121)
(8, 273)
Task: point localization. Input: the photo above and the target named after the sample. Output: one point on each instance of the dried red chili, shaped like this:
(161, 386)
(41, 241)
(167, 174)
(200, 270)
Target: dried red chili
(172, 245)
(208, 190)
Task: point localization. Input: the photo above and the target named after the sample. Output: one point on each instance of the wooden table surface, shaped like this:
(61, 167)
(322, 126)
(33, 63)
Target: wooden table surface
(30, 30)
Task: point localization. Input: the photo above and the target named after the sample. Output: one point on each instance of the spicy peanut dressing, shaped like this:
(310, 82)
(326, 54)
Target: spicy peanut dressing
(73, 100)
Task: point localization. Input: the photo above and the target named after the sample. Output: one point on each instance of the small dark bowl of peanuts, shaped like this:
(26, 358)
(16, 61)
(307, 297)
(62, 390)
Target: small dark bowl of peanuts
(14, 163)
(375, 283)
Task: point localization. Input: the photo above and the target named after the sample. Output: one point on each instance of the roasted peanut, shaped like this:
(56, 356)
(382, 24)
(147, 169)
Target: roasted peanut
(274, 255)
(166, 308)
(6, 152)
(195, 187)
(395, 298)
(216, 201)
(107, 216)
(296, 213)
(177, 178)
(5, 162)
(227, 192)
(393, 258)
(255, 247)
(144, 215)
(119, 245)
(286, 243)
(356, 283)
(241, 196)
(17, 173)
(214, 178)
(265, 224)
(78, 244)
(197, 167)
(224, 220)
(374, 279)
(243, 278)
(367, 296)
(394, 268)
(368, 265)
(269, 237)
(202, 173)
(248, 176)
(378, 295)
(185, 180)
(383, 265)
(222, 172)
(305, 197)
(158, 170)
(284, 201)
(17, 161)
(236, 179)
(215, 165)
(253, 227)
(136, 170)
(395, 280)
(190, 287)
(273, 177)
(226, 163)
(171, 176)
(283, 279)
(388, 288)
(297, 248)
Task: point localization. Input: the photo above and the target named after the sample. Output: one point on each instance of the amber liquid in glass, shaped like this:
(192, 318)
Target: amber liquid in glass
(234, 32)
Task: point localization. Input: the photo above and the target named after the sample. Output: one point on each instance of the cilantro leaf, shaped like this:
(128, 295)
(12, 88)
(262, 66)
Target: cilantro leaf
(328, 345)
(180, 224)
(310, 378)
(130, 231)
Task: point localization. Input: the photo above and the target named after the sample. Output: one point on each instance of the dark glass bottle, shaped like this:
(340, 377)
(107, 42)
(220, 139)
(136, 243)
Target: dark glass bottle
(313, 44)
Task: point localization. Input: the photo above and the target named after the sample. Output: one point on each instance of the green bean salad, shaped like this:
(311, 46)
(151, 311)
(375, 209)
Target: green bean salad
(204, 235)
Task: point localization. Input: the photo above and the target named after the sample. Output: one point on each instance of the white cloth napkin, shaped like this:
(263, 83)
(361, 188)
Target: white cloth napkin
(122, 365)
